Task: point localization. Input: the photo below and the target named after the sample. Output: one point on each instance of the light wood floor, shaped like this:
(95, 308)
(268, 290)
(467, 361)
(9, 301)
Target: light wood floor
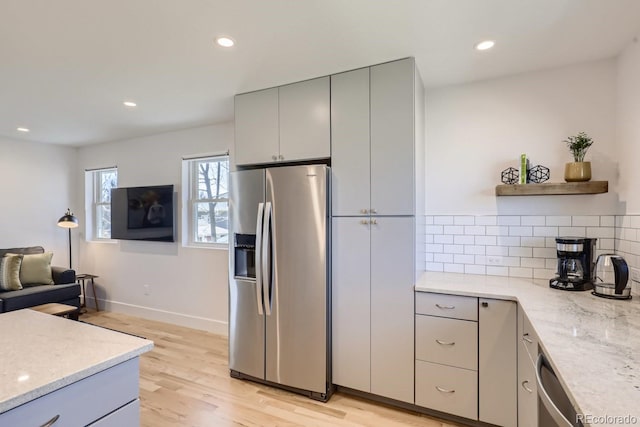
(184, 381)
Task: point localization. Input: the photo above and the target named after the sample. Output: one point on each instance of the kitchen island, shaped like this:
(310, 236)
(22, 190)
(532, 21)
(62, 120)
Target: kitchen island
(593, 344)
(73, 372)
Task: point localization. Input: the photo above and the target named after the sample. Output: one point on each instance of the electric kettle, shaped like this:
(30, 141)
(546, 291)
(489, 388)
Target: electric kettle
(611, 277)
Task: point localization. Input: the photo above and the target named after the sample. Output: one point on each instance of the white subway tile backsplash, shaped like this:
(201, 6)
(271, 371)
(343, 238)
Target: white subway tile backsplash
(477, 230)
(453, 229)
(497, 250)
(533, 220)
(454, 268)
(508, 220)
(433, 229)
(474, 250)
(463, 259)
(520, 251)
(443, 220)
(555, 220)
(533, 242)
(521, 246)
(464, 240)
(453, 249)
(443, 257)
(497, 271)
(545, 231)
(572, 231)
(520, 231)
(434, 247)
(475, 269)
(532, 262)
(544, 253)
(464, 220)
(486, 240)
(443, 238)
(601, 232)
(509, 241)
(486, 220)
(497, 230)
(607, 221)
(585, 221)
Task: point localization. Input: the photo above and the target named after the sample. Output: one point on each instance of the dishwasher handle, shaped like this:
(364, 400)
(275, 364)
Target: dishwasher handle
(551, 407)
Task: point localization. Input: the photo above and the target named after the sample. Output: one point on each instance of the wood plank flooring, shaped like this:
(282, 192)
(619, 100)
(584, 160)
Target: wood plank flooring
(184, 381)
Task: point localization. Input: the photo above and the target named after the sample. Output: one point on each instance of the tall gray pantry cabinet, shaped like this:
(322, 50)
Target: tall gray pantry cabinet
(377, 159)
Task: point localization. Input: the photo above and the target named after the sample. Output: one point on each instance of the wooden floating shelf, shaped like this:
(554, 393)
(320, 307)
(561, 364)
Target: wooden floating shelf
(553, 188)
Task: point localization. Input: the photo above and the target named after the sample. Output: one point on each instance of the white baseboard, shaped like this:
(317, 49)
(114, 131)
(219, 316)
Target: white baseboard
(210, 325)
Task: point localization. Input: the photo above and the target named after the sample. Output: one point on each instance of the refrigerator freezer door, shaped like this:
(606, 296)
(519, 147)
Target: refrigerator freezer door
(246, 322)
(297, 328)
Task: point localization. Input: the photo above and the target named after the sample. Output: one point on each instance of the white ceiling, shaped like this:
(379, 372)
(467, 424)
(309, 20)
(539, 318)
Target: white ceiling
(66, 66)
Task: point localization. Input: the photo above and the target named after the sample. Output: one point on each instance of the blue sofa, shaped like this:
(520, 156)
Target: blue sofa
(65, 290)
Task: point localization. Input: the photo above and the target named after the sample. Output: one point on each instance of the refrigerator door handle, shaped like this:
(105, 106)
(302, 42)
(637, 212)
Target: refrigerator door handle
(267, 263)
(258, 261)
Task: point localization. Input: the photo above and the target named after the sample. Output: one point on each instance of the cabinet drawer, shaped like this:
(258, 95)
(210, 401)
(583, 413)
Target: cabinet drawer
(450, 342)
(443, 305)
(128, 415)
(447, 389)
(527, 335)
(82, 402)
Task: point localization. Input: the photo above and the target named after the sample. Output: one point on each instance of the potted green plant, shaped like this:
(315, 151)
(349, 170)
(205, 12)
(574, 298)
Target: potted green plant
(578, 170)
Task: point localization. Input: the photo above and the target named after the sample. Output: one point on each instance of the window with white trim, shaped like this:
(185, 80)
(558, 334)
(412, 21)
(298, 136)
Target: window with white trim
(208, 204)
(103, 181)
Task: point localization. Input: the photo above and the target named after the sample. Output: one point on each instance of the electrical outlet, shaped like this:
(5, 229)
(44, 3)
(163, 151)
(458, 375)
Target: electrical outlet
(635, 274)
(147, 289)
(494, 260)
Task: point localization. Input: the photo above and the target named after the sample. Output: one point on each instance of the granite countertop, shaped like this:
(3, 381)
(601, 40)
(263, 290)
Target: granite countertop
(41, 353)
(592, 343)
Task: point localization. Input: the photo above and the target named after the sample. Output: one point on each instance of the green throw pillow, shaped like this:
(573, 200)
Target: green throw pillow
(36, 269)
(10, 272)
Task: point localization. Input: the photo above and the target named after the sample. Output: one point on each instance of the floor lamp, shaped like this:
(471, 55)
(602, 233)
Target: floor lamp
(68, 221)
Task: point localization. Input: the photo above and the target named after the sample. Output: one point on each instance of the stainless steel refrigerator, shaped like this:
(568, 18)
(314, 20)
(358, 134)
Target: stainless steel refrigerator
(279, 278)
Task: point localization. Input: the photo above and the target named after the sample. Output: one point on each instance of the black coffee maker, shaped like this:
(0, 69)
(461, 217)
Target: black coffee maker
(576, 260)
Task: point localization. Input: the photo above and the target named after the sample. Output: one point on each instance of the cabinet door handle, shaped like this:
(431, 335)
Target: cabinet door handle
(374, 221)
(525, 337)
(373, 211)
(51, 422)
(446, 342)
(281, 157)
(446, 307)
(524, 386)
(444, 390)
(364, 222)
(274, 157)
(363, 211)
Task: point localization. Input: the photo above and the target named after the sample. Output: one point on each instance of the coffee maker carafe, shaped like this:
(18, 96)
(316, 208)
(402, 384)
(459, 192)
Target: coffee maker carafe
(575, 263)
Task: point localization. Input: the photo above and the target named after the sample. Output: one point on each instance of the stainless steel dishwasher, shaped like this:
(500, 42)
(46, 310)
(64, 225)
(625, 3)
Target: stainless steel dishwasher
(554, 406)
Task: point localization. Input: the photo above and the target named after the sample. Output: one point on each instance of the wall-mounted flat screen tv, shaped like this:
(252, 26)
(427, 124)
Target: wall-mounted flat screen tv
(143, 213)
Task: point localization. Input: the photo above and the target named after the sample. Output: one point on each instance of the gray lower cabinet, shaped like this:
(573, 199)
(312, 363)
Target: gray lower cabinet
(467, 356)
(527, 388)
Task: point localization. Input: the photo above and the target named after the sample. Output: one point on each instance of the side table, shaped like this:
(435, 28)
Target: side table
(82, 279)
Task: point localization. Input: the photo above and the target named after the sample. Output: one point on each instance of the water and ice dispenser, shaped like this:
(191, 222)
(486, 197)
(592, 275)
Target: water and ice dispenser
(245, 256)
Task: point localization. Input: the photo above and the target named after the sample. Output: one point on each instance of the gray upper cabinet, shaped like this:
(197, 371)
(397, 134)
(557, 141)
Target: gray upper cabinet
(288, 123)
(305, 120)
(392, 138)
(256, 127)
(350, 141)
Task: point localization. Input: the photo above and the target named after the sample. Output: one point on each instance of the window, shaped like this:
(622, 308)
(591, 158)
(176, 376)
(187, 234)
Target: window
(208, 203)
(103, 181)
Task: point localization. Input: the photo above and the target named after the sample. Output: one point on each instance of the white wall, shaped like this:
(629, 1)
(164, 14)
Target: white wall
(628, 126)
(476, 130)
(188, 286)
(37, 188)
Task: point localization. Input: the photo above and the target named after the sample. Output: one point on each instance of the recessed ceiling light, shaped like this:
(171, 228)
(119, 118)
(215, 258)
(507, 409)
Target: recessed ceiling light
(130, 104)
(484, 45)
(225, 41)
(22, 129)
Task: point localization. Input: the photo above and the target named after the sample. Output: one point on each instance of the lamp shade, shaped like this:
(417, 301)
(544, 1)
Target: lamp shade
(68, 220)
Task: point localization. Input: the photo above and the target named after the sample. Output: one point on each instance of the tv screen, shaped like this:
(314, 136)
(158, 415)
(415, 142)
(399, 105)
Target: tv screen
(143, 213)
